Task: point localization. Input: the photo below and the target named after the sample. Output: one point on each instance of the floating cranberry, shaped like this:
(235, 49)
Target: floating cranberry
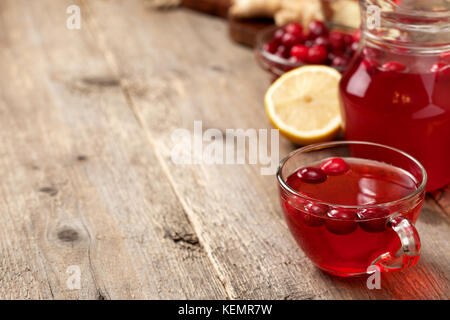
(271, 46)
(315, 214)
(442, 68)
(317, 54)
(373, 219)
(283, 52)
(335, 166)
(341, 221)
(371, 65)
(316, 29)
(394, 66)
(300, 51)
(311, 175)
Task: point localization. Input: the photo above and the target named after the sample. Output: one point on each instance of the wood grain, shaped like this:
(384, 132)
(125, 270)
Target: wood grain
(86, 122)
(80, 185)
(234, 210)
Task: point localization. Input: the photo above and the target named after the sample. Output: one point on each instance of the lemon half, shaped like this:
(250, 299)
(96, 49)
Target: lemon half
(304, 104)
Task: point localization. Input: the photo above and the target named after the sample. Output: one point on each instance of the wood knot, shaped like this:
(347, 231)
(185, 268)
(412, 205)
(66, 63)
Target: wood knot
(49, 190)
(68, 235)
(101, 81)
(82, 158)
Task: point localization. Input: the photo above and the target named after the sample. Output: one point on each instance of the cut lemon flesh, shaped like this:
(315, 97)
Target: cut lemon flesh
(304, 105)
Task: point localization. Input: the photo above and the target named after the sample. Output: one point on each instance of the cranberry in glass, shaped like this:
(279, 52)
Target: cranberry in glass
(282, 52)
(394, 66)
(314, 214)
(373, 219)
(442, 68)
(311, 175)
(288, 40)
(317, 54)
(341, 221)
(322, 41)
(371, 65)
(334, 166)
(295, 29)
(337, 41)
(271, 46)
(316, 29)
(278, 35)
(300, 52)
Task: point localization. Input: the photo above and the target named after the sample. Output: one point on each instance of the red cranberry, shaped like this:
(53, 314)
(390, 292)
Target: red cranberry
(394, 66)
(341, 221)
(340, 62)
(300, 52)
(322, 41)
(311, 175)
(294, 204)
(348, 39)
(295, 29)
(373, 219)
(316, 29)
(278, 35)
(354, 47)
(371, 65)
(357, 35)
(335, 166)
(290, 40)
(271, 46)
(337, 41)
(314, 212)
(283, 52)
(317, 54)
(442, 68)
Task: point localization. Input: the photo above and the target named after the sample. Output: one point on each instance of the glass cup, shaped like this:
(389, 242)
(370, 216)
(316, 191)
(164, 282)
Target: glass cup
(354, 247)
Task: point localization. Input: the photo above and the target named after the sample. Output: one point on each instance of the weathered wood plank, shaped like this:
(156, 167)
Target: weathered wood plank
(192, 72)
(80, 184)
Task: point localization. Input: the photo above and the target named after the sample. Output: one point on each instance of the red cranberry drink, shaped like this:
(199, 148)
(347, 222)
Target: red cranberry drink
(348, 213)
(396, 90)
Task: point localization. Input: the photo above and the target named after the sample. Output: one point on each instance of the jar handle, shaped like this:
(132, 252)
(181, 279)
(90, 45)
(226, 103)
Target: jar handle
(409, 238)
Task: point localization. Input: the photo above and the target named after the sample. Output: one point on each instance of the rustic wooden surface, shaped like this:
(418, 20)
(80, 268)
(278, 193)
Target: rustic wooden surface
(87, 180)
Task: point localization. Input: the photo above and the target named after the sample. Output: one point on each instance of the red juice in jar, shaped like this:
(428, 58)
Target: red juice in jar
(397, 89)
(343, 240)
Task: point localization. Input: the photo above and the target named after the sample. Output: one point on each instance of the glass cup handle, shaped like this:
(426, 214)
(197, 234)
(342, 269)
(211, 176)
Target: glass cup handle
(409, 238)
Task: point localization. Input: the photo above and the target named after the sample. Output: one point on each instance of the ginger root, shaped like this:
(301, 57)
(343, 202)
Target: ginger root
(284, 11)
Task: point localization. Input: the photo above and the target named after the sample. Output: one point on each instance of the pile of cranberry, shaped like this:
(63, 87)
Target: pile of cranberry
(317, 46)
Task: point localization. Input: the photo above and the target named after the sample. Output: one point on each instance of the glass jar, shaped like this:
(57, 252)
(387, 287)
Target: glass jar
(397, 88)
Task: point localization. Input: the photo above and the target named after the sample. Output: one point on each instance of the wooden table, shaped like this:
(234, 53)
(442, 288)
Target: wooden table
(87, 178)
